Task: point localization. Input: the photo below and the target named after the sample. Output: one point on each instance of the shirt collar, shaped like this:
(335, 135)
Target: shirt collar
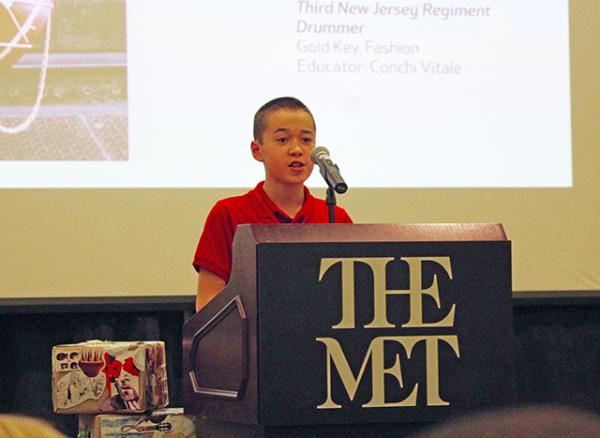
(266, 208)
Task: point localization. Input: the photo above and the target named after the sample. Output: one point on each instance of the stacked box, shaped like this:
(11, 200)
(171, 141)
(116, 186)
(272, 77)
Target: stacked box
(163, 423)
(104, 377)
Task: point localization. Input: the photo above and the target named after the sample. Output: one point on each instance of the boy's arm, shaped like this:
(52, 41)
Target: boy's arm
(209, 286)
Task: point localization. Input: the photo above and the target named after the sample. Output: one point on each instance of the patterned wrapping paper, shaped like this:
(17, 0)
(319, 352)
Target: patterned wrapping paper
(103, 376)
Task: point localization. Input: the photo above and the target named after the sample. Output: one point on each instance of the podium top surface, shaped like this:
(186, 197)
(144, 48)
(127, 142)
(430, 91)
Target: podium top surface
(292, 233)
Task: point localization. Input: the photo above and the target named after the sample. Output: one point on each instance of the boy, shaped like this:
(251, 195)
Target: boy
(284, 137)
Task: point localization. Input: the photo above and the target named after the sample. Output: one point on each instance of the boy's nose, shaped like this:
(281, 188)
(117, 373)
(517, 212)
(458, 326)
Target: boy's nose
(295, 149)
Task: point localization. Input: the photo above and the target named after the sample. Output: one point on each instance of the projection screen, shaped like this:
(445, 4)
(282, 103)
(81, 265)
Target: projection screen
(122, 122)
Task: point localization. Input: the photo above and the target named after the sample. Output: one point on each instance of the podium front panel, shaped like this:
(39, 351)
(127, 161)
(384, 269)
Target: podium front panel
(382, 331)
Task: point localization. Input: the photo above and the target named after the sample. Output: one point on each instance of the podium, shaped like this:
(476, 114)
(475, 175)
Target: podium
(340, 324)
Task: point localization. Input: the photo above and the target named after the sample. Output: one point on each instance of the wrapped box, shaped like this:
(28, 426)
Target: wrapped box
(161, 423)
(102, 376)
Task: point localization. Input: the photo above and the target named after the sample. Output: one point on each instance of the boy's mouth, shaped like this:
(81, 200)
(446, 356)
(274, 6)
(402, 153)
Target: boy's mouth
(296, 164)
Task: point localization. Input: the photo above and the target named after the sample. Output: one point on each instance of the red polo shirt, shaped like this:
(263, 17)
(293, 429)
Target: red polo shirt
(255, 207)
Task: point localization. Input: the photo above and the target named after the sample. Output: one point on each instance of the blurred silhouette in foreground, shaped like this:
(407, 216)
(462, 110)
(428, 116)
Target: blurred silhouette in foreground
(16, 426)
(524, 422)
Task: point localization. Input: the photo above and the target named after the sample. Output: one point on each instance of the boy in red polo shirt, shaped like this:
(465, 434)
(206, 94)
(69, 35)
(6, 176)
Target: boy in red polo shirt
(284, 137)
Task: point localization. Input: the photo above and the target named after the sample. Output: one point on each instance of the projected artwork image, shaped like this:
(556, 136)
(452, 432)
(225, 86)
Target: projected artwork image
(63, 80)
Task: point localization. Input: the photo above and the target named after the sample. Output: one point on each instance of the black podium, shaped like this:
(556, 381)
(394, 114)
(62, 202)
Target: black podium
(350, 325)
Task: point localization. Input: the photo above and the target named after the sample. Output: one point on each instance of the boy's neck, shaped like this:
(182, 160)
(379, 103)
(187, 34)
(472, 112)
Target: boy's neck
(288, 198)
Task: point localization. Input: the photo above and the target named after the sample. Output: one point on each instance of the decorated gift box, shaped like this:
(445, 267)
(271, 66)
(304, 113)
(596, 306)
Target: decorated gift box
(102, 376)
(161, 423)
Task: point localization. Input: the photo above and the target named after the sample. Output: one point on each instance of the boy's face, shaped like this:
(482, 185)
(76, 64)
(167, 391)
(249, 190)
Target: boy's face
(287, 142)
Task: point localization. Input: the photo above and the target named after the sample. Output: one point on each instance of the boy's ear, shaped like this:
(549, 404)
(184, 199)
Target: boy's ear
(256, 152)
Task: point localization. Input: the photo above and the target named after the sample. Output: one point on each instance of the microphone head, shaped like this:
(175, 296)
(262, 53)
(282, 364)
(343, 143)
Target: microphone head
(318, 153)
(341, 188)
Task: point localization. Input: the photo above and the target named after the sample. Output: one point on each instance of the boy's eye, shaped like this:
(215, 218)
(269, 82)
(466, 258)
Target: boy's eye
(281, 140)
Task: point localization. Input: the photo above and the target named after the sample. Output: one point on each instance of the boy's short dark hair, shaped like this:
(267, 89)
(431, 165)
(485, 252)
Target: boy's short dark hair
(260, 118)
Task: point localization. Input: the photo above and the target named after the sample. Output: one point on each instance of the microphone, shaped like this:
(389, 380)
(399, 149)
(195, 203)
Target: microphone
(329, 170)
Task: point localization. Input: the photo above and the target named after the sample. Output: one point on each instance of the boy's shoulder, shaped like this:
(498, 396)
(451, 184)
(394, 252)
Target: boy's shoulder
(242, 207)
(235, 202)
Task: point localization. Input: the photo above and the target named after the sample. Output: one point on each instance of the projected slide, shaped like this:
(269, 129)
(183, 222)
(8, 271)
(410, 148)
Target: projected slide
(63, 92)
(469, 93)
